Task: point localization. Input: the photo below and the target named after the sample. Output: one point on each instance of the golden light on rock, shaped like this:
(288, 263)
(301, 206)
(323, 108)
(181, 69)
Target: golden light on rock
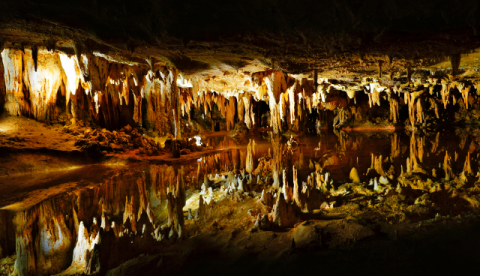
(136, 139)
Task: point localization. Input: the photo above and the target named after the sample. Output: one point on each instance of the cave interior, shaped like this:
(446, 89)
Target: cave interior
(241, 137)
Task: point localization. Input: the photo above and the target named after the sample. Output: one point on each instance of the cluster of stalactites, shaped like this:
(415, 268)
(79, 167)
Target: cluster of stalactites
(106, 85)
(287, 97)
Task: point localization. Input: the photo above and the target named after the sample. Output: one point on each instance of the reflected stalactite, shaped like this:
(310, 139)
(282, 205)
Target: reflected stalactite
(277, 159)
(250, 152)
(377, 164)
(467, 168)
(395, 146)
(416, 154)
(435, 143)
(43, 239)
(447, 166)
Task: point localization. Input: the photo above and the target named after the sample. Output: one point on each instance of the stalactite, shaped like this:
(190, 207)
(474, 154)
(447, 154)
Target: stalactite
(291, 101)
(230, 113)
(249, 115)
(394, 115)
(445, 94)
(465, 90)
(43, 79)
(13, 71)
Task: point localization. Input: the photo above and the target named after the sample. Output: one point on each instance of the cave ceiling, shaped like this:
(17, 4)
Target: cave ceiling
(211, 38)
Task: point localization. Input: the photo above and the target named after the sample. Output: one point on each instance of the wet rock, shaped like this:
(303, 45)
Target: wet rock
(283, 214)
(143, 263)
(39, 250)
(266, 198)
(127, 129)
(354, 175)
(306, 235)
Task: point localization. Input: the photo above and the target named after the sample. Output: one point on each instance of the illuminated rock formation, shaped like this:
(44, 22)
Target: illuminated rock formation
(44, 240)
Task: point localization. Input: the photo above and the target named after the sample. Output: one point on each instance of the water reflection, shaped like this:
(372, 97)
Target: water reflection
(104, 219)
